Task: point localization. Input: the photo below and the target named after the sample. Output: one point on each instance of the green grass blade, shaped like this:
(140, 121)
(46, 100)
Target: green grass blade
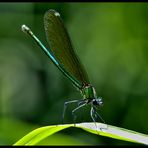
(115, 132)
(39, 134)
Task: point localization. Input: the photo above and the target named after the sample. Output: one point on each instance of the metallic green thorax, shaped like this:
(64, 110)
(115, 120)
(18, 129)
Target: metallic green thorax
(89, 93)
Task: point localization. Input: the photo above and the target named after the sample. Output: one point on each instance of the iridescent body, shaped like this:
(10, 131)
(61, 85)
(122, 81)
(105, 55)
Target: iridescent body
(62, 54)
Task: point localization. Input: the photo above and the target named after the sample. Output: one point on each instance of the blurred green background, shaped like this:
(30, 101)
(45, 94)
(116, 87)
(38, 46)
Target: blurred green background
(111, 41)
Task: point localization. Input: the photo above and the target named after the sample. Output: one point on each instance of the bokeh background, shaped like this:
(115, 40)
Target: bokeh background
(111, 40)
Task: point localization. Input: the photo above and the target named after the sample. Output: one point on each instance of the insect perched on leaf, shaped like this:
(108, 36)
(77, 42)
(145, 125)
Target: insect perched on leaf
(65, 59)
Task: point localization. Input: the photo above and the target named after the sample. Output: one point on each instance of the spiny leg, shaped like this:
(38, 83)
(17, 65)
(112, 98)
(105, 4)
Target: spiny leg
(81, 102)
(97, 115)
(65, 106)
(73, 111)
(91, 114)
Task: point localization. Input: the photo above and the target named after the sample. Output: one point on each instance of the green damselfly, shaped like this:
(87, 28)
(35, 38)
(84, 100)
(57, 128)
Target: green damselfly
(65, 59)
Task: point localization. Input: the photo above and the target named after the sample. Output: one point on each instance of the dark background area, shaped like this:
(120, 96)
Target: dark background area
(111, 40)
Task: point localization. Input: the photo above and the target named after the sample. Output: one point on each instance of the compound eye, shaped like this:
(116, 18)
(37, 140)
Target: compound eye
(99, 101)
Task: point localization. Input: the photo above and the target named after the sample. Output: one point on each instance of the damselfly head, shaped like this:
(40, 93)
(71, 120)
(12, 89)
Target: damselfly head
(97, 101)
